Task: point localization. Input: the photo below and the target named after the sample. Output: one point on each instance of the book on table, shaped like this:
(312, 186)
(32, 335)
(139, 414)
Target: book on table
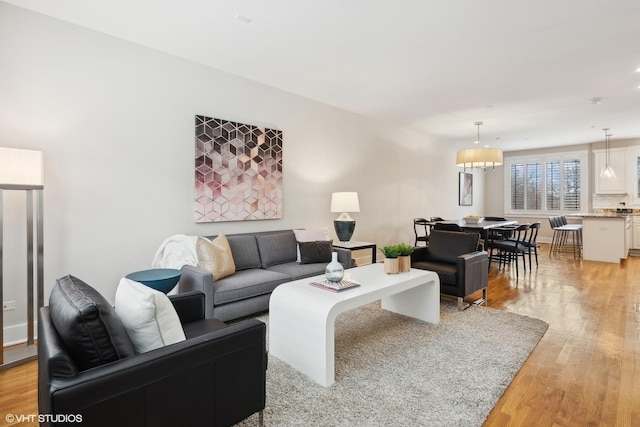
(342, 285)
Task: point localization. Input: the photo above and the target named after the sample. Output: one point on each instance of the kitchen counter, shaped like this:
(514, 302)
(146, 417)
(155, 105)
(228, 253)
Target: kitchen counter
(599, 215)
(605, 236)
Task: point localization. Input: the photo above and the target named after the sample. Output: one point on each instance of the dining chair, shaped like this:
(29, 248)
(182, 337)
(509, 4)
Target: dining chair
(530, 243)
(446, 226)
(509, 250)
(421, 230)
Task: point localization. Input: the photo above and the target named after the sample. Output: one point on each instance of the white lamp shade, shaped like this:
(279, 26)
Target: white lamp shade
(479, 157)
(21, 167)
(345, 202)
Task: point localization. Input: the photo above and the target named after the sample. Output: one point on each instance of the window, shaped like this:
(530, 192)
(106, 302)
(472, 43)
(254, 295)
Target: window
(546, 183)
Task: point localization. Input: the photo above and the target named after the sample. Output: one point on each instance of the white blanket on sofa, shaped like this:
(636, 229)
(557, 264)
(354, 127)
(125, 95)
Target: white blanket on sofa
(176, 251)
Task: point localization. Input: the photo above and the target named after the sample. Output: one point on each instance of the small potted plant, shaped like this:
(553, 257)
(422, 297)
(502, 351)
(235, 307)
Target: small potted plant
(391, 259)
(404, 257)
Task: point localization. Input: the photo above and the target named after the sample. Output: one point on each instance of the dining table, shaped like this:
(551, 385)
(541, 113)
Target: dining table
(475, 226)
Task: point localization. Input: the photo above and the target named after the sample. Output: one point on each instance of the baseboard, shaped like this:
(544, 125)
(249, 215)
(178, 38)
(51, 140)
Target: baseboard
(16, 334)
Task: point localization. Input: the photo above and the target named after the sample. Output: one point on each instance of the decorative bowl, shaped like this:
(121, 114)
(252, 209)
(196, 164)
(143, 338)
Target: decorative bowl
(473, 219)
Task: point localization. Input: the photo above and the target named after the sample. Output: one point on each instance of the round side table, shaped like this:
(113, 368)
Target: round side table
(161, 279)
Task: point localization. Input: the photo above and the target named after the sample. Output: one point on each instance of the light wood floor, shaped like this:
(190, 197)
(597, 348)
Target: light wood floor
(584, 372)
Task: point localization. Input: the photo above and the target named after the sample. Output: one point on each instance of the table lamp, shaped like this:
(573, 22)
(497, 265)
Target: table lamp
(344, 202)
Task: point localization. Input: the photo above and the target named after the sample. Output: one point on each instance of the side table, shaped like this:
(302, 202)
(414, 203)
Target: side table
(161, 279)
(355, 246)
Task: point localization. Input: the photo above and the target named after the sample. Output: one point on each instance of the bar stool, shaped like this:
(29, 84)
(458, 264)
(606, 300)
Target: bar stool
(562, 230)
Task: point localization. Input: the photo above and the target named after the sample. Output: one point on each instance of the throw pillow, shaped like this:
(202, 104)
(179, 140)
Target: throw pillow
(215, 256)
(87, 324)
(310, 235)
(148, 316)
(317, 251)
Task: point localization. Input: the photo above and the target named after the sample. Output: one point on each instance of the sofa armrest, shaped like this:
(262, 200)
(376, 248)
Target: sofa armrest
(215, 368)
(189, 306)
(197, 279)
(344, 256)
(475, 271)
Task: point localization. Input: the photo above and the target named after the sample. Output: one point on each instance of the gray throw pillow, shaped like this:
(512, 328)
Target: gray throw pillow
(317, 251)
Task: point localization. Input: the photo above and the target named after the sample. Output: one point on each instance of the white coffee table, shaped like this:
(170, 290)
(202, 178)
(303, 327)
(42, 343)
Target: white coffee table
(302, 317)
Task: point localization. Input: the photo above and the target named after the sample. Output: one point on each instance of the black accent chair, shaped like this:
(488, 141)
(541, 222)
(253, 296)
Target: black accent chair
(421, 230)
(216, 377)
(454, 256)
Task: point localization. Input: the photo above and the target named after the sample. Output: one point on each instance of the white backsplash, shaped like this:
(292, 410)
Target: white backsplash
(609, 201)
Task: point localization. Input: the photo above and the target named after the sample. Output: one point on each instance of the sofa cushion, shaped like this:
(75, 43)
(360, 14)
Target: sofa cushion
(247, 284)
(148, 316)
(447, 273)
(215, 256)
(87, 324)
(276, 248)
(447, 246)
(295, 271)
(244, 249)
(310, 235)
(316, 251)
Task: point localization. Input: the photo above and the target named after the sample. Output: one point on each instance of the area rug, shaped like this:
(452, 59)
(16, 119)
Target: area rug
(393, 370)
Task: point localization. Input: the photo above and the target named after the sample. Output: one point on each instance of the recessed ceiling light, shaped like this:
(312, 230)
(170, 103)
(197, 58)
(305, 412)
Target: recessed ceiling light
(243, 18)
(595, 101)
(638, 69)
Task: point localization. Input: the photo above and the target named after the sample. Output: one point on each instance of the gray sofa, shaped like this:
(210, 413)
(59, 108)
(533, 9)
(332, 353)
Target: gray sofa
(263, 260)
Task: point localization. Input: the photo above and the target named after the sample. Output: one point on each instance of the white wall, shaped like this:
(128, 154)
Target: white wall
(116, 123)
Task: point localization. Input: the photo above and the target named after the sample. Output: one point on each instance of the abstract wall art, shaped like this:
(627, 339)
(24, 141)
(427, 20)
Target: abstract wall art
(465, 189)
(238, 171)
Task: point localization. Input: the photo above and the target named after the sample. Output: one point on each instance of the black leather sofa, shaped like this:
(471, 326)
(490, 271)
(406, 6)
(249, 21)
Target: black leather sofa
(216, 377)
(463, 269)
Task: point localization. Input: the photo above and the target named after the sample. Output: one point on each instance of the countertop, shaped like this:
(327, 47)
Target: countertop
(600, 215)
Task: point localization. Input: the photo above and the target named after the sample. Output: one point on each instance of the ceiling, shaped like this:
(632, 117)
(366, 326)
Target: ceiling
(529, 70)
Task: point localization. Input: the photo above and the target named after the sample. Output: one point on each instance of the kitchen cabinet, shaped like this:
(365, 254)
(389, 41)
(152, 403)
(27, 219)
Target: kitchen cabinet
(633, 182)
(616, 185)
(605, 237)
(635, 227)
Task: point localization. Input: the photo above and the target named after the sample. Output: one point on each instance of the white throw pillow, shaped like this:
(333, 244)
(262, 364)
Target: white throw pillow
(310, 235)
(148, 316)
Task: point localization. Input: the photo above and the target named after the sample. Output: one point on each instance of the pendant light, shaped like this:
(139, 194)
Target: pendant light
(607, 170)
(479, 157)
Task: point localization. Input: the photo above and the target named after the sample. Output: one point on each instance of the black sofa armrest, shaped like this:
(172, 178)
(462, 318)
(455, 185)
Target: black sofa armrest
(475, 266)
(189, 306)
(217, 378)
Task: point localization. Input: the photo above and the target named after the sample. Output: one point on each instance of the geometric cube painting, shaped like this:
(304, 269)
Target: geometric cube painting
(238, 171)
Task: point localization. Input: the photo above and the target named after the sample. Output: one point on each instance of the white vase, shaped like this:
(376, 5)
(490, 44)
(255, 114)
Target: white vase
(334, 272)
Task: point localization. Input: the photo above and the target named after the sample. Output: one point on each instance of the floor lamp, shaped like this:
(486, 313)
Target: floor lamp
(22, 170)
